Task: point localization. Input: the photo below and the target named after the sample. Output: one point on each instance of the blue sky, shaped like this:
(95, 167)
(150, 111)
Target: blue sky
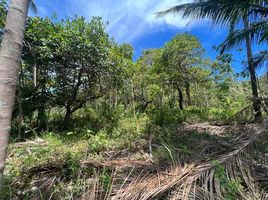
(134, 22)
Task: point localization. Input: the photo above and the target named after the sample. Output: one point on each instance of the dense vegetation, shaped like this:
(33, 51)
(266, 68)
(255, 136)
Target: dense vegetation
(73, 71)
(82, 100)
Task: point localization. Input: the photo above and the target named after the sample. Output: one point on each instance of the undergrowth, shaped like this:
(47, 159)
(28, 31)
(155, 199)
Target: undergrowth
(56, 157)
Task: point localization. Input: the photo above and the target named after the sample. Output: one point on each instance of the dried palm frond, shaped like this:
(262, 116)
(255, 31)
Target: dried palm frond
(200, 180)
(228, 171)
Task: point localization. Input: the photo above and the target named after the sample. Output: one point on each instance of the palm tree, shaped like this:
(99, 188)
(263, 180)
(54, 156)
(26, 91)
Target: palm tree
(259, 32)
(231, 13)
(10, 56)
(252, 71)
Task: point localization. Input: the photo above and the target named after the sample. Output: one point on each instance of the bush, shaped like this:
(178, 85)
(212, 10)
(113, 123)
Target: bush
(97, 119)
(166, 115)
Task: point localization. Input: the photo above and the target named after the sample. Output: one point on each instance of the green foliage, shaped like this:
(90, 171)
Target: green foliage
(86, 83)
(167, 116)
(172, 116)
(6, 190)
(90, 97)
(106, 179)
(229, 187)
(72, 58)
(71, 165)
(245, 26)
(110, 117)
(122, 136)
(3, 13)
(163, 155)
(100, 142)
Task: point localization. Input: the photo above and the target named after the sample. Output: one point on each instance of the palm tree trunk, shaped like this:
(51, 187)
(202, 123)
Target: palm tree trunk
(267, 78)
(20, 116)
(10, 55)
(253, 77)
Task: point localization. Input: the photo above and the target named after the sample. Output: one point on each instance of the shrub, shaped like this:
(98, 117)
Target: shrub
(166, 115)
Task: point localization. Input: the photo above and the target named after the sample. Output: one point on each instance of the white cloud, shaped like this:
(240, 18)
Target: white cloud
(128, 19)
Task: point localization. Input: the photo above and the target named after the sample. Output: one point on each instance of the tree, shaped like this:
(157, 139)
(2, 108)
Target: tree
(80, 64)
(179, 57)
(252, 71)
(36, 57)
(3, 14)
(231, 13)
(120, 60)
(10, 55)
(146, 81)
(72, 59)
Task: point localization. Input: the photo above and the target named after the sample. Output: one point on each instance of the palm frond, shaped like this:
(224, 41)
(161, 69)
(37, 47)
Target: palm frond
(33, 6)
(221, 12)
(261, 59)
(258, 32)
(200, 180)
(232, 25)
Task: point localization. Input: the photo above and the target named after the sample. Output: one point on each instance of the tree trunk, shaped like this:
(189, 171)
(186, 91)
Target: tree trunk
(34, 69)
(10, 55)
(267, 78)
(253, 77)
(116, 98)
(110, 100)
(125, 99)
(162, 98)
(180, 98)
(145, 105)
(42, 117)
(20, 116)
(133, 100)
(48, 116)
(188, 94)
(173, 97)
(67, 118)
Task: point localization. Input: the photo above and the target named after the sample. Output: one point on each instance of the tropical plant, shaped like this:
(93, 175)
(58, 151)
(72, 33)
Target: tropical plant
(231, 13)
(181, 56)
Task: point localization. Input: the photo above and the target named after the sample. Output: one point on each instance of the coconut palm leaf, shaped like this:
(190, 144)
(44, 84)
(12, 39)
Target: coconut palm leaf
(261, 59)
(33, 6)
(200, 180)
(221, 12)
(228, 12)
(258, 32)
